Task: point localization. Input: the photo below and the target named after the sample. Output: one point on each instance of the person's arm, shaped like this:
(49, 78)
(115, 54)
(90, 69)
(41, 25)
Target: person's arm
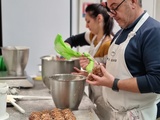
(77, 40)
(129, 85)
(150, 82)
(108, 79)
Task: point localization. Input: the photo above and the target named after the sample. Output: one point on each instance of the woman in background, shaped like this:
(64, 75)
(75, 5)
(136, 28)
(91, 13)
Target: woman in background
(99, 38)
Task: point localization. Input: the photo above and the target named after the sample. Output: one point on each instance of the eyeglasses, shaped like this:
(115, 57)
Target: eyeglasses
(114, 10)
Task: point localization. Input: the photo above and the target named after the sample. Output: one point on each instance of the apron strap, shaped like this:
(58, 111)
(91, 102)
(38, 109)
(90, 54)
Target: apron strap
(140, 23)
(93, 49)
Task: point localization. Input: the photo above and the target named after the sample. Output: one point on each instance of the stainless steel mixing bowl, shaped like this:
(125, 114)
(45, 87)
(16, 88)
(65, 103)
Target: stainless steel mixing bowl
(15, 58)
(51, 65)
(67, 90)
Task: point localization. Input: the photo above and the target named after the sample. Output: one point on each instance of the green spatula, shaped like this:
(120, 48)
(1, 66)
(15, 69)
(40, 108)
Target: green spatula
(65, 50)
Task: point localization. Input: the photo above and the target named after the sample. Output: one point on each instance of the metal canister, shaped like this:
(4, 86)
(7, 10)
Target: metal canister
(15, 58)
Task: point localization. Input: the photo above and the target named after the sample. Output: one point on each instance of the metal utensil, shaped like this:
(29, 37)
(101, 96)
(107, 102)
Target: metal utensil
(23, 97)
(13, 102)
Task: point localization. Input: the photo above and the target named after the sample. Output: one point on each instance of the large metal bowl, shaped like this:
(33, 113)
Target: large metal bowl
(51, 65)
(67, 90)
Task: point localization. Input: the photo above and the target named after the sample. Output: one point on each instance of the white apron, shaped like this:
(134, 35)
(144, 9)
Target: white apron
(127, 105)
(93, 49)
(95, 92)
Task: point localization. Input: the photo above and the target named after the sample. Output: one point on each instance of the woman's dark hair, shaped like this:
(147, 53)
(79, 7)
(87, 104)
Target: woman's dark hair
(94, 10)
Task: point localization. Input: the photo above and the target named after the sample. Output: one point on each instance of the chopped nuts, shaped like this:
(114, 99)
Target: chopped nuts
(55, 114)
(97, 71)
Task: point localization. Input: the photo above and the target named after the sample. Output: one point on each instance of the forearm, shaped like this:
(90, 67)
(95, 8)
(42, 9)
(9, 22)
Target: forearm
(108, 80)
(77, 40)
(129, 85)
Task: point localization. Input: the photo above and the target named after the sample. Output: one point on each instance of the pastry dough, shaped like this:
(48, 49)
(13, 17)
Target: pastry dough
(55, 114)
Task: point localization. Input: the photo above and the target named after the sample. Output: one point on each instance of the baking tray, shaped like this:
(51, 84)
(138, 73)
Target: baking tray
(85, 115)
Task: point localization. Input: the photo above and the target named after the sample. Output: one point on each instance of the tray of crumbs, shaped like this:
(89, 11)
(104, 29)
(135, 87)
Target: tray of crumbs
(63, 114)
(85, 115)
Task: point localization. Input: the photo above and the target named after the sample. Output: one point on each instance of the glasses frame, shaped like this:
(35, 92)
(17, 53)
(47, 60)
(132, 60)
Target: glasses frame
(114, 11)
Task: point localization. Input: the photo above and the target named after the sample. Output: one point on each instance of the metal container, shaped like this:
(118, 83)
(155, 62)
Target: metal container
(15, 58)
(51, 65)
(67, 90)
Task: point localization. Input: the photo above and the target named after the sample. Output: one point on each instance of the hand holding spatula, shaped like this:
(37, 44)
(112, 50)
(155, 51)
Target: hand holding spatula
(66, 51)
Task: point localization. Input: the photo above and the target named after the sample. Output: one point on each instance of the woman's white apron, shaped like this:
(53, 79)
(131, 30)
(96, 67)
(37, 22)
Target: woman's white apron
(127, 105)
(95, 92)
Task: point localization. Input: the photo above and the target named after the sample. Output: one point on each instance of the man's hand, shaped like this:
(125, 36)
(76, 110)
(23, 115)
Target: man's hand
(106, 80)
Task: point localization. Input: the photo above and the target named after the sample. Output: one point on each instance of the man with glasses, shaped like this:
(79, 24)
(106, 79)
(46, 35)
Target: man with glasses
(131, 79)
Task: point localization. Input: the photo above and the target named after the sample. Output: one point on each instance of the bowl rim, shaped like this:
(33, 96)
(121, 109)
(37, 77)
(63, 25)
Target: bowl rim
(53, 58)
(82, 77)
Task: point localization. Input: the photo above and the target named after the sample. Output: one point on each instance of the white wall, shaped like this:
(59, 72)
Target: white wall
(152, 7)
(148, 5)
(35, 23)
(74, 17)
(157, 9)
